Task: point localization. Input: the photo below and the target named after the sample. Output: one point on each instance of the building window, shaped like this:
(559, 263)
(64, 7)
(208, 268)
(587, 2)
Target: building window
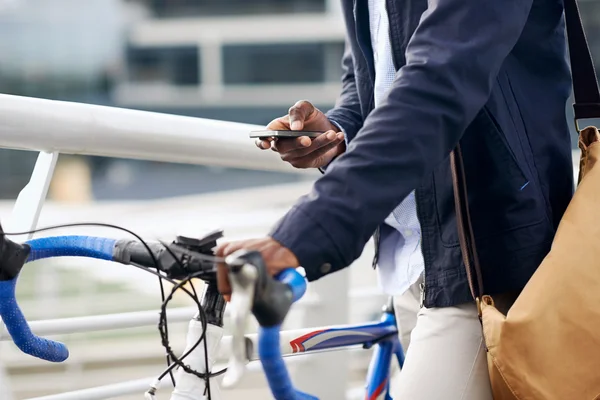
(183, 8)
(173, 65)
(282, 63)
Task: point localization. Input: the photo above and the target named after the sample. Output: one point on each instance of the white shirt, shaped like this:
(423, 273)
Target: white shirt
(400, 261)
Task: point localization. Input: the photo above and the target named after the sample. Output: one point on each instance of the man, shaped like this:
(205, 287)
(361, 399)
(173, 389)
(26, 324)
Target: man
(420, 76)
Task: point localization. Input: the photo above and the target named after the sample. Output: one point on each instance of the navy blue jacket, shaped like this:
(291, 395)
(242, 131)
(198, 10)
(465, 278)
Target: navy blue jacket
(490, 74)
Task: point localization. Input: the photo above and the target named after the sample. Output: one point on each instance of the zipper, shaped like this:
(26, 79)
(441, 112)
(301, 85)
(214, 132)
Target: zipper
(422, 285)
(422, 290)
(376, 236)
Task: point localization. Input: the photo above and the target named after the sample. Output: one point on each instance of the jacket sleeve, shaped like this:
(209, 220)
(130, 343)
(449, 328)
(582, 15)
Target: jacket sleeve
(452, 61)
(347, 114)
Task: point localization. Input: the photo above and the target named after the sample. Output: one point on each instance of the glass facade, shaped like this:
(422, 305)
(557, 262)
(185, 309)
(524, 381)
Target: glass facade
(60, 50)
(173, 65)
(271, 63)
(282, 63)
(190, 8)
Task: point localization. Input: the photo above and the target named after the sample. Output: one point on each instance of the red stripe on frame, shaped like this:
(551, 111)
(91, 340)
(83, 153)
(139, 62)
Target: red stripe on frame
(297, 344)
(378, 391)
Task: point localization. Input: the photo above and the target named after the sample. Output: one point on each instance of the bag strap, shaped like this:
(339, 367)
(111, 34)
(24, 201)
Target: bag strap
(587, 105)
(463, 223)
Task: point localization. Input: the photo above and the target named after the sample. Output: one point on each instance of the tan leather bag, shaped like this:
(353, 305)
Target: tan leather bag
(547, 347)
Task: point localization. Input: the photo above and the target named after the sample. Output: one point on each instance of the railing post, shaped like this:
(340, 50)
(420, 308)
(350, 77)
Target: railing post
(25, 216)
(326, 375)
(27, 208)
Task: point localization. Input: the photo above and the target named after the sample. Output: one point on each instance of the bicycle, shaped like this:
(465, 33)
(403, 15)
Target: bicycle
(253, 291)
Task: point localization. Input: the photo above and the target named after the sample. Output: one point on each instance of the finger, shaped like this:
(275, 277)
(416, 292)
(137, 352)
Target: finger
(231, 247)
(279, 124)
(264, 144)
(299, 113)
(219, 249)
(223, 285)
(282, 145)
(326, 141)
(226, 249)
(314, 158)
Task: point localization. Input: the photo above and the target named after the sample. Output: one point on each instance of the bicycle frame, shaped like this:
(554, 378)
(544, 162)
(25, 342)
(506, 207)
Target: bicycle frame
(382, 334)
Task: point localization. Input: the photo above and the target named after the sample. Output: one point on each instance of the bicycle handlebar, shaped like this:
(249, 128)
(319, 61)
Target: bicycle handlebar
(71, 246)
(19, 330)
(181, 259)
(253, 291)
(13, 257)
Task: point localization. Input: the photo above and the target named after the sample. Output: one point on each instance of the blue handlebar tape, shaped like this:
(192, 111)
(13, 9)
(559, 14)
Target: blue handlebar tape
(269, 349)
(19, 330)
(274, 366)
(16, 324)
(295, 281)
(74, 246)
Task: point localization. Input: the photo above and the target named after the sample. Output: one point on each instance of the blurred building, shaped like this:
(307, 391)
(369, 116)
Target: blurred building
(243, 60)
(56, 49)
(230, 60)
(61, 49)
(237, 60)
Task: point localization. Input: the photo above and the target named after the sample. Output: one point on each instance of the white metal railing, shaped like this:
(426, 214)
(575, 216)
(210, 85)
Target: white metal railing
(60, 326)
(53, 127)
(96, 323)
(135, 386)
(74, 128)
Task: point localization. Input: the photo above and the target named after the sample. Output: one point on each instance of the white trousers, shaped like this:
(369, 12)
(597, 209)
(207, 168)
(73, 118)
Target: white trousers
(445, 356)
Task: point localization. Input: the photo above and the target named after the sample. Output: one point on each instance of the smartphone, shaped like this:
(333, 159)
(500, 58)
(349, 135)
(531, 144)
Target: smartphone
(283, 134)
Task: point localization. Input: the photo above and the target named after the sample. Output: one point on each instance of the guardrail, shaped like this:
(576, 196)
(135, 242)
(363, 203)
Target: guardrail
(75, 128)
(54, 127)
(136, 319)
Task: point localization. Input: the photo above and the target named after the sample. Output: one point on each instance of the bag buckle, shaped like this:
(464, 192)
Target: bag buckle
(576, 122)
(484, 299)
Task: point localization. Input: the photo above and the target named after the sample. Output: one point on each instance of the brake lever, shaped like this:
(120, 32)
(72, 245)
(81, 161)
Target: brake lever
(243, 278)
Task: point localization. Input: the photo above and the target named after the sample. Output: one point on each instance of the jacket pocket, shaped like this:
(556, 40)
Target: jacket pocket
(501, 195)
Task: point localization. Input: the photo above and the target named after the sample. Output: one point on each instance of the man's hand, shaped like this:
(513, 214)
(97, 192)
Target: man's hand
(277, 258)
(302, 152)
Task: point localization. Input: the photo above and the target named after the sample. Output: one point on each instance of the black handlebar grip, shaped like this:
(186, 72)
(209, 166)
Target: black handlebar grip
(12, 257)
(272, 299)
